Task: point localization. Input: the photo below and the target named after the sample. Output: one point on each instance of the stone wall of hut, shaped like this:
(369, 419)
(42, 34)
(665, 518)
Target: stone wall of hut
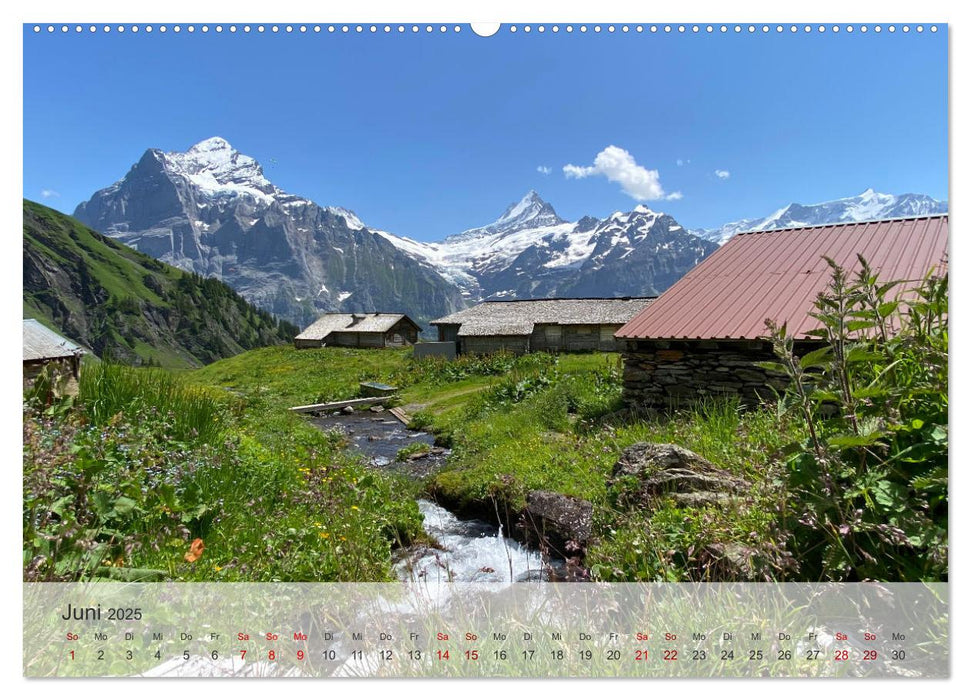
(661, 374)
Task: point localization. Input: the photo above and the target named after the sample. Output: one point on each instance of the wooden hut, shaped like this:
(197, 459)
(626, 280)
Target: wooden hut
(534, 325)
(45, 349)
(363, 330)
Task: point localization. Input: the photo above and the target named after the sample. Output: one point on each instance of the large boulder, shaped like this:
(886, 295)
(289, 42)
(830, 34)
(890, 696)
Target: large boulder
(649, 471)
(560, 523)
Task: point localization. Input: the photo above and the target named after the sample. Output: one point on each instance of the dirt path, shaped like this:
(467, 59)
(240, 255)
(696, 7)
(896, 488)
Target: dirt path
(412, 408)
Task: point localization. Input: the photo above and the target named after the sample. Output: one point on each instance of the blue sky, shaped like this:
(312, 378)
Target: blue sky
(426, 135)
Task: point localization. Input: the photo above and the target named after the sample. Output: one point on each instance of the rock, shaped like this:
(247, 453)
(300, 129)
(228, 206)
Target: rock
(377, 409)
(561, 523)
(648, 471)
(347, 410)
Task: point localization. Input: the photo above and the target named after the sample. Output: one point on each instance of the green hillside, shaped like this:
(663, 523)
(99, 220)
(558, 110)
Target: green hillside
(129, 306)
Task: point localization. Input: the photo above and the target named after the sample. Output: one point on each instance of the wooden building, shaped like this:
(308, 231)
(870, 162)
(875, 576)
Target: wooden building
(535, 325)
(45, 349)
(370, 330)
(707, 333)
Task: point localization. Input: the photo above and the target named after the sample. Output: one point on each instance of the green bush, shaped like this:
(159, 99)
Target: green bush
(869, 484)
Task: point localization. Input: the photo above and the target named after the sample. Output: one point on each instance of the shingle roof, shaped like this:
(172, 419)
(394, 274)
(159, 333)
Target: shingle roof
(352, 323)
(519, 317)
(778, 275)
(41, 343)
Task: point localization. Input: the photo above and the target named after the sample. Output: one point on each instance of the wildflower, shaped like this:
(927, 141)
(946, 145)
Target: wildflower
(325, 535)
(355, 508)
(195, 550)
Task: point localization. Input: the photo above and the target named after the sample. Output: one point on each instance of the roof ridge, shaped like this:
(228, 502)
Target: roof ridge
(517, 301)
(916, 217)
(366, 313)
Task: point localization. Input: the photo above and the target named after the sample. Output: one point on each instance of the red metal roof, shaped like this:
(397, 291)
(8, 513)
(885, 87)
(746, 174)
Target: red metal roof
(778, 274)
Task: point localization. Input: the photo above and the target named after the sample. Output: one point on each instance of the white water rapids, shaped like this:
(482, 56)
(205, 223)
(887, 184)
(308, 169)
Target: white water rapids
(472, 550)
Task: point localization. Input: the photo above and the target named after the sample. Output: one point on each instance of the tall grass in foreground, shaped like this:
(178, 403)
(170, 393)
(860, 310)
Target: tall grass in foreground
(108, 389)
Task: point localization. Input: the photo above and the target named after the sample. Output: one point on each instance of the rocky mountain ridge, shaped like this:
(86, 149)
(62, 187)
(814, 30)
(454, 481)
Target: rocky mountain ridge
(211, 210)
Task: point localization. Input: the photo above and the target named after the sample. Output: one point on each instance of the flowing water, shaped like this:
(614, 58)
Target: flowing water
(468, 550)
(471, 550)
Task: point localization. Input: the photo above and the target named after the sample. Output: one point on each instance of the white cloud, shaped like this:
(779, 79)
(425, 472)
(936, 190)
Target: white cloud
(544, 169)
(47, 194)
(682, 161)
(722, 174)
(619, 166)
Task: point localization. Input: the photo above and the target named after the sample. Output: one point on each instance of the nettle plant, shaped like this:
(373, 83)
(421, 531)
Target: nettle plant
(868, 487)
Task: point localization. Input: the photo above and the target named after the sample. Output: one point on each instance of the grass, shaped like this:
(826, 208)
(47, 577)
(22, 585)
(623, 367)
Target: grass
(107, 390)
(539, 422)
(215, 454)
(282, 376)
(144, 464)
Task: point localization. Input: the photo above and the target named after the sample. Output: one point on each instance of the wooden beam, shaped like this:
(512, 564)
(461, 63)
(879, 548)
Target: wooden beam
(337, 405)
(400, 414)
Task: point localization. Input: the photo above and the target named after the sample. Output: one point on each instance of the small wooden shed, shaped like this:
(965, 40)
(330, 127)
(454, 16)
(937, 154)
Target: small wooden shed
(361, 330)
(43, 348)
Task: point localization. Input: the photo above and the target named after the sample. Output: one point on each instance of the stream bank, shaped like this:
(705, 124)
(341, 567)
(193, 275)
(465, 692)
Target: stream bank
(469, 547)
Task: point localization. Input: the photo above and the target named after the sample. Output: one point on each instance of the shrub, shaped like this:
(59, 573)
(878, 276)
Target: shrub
(869, 485)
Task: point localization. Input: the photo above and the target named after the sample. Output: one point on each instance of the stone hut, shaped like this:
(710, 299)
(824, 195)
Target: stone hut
(534, 325)
(45, 349)
(370, 330)
(705, 335)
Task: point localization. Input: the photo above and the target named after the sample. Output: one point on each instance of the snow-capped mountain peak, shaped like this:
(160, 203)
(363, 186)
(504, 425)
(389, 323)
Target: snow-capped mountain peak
(218, 169)
(525, 208)
(528, 213)
(350, 218)
(531, 251)
(211, 210)
(866, 206)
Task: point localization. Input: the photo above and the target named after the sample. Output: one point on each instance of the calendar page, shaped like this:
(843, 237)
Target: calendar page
(518, 350)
